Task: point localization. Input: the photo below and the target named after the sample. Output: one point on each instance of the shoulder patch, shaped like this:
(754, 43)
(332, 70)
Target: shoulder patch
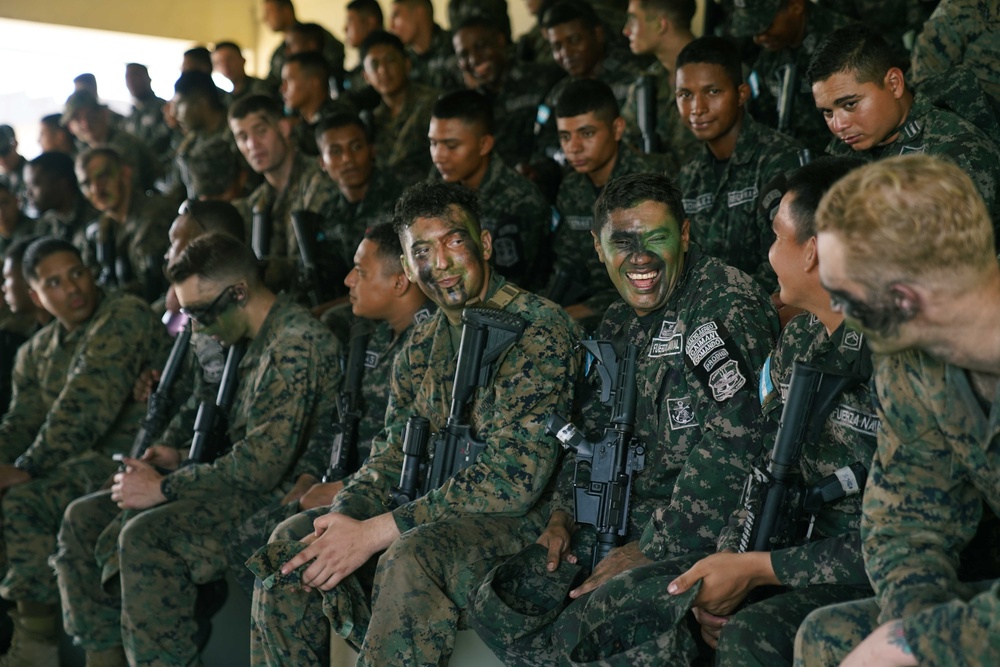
(698, 204)
(765, 388)
(738, 197)
(681, 413)
(371, 358)
(716, 360)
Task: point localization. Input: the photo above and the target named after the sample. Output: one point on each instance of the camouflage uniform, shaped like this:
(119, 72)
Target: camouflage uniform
(67, 227)
(806, 123)
(438, 67)
(304, 131)
(494, 10)
(453, 535)
(401, 144)
(202, 152)
(935, 467)
(573, 241)
(699, 420)
(346, 223)
(677, 144)
(515, 108)
(137, 155)
(71, 410)
(960, 32)
(251, 86)
(147, 124)
(18, 186)
(722, 208)
(24, 229)
(333, 51)
(533, 47)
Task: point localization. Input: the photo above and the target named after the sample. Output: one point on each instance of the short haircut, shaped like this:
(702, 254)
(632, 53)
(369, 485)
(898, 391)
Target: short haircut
(313, 32)
(217, 216)
(380, 38)
(339, 120)
(42, 248)
(711, 50)
(57, 165)
(53, 121)
(468, 106)
(678, 12)
(434, 199)
(229, 45)
(15, 253)
(137, 66)
(482, 22)
(914, 218)
(809, 184)
(86, 79)
(426, 4)
(312, 64)
(216, 257)
(566, 11)
(200, 55)
(854, 48)
(581, 96)
(390, 249)
(629, 191)
(262, 104)
(195, 84)
(108, 152)
(368, 8)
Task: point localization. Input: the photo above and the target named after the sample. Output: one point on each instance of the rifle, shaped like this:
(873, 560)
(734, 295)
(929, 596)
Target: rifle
(645, 103)
(344, 451)
(305, 225)
(486, 334)
(602, 477)
(211, 437)
(414, 467)
(260, 229)
(789, 83)
(101, 233)
(776, 499)
(159, 401)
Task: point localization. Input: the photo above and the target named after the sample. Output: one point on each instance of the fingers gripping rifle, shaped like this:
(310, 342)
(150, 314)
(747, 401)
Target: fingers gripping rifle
(487, 333)
(344, 451)
(776, 499)
(159, 401)
(305, 224)
(645, 103)
(211, 423)
(602, 479)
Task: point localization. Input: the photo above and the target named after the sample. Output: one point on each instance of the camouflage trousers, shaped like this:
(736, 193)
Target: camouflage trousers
(32, 513)
(827, 635)
(249, 536)
(419, 591)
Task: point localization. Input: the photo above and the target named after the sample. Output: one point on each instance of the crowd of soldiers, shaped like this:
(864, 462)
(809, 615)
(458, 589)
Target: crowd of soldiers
(231, 317)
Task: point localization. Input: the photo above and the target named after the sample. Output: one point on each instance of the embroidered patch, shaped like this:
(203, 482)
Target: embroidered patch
(856, 420)
(703, 340)
(579, 223)
(726, 381)
(665, 347)
(698, 204)
(765, 388)
(906, 150)
(717, 361)
(505, 251)
(681, 414)
(852, 340)
(371, 359)
(739, 197)
(421, 316)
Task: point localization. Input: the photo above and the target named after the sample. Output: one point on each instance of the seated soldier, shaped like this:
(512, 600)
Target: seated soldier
(907, 252)
(146, 118)
(202, 117)
(134, 223)
(55, 193)
(514, 211)
(788, 32)
(70, 411)
(12, 165)
(400, 120)
(367, 192)
(959, 32)
(740, 156)
(363, 18)
(14, 223)
(533, 46)
(291, 183)
(228, 60)
(873, 114)
(429, 46)
(701, 327)
(590, 133)
(407, 609)
(279, 16)
(53, 136)
(305, 88)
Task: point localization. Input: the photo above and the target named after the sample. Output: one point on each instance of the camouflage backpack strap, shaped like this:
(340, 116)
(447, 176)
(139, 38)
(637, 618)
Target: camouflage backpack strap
(504, 296)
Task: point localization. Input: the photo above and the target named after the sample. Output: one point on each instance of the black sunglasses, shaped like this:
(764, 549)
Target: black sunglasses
(206, 316)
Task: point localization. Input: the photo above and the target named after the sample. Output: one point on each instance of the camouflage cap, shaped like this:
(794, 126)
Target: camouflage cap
(81, 99)
(752, 17)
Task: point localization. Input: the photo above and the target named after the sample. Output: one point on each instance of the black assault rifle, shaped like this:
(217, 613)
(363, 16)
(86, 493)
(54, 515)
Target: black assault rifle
(775, 499)
(786, 101)
(101, 233)
(260, 229)
(602, 478)
(486, 334)
(344, 450)
(159, 401)
(305, 225)
(645, 111)
(211, 424)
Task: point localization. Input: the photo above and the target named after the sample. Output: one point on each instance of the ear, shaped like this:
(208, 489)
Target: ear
(285, 128)
(895, 82)
(127, 174)
(597, 246)
(400, 284)
(810, 255)
(906, 299)
(618, 128)
(364, 73)
(685, 235)
(796, 7)
(486, 143)
(600, 35)
(664, 25)
(742, 94)
(241, 293)
(486, 239)
(35, 299)
(407, 269)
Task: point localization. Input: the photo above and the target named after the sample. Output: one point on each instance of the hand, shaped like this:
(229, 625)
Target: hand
(711, 625)
(556, 538)
(11, 476)
(619, 560)
(144, 385)
(886, 647)
(579, 311)
(163, 457)
(302, 484)
(339, 546)
(138, 487)
(320, 495)
(726, 578)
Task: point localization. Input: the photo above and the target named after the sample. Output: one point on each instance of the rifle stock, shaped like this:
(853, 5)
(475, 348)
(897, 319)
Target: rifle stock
(344, 451)
(305, 225)
(210, 424)
(645, 103)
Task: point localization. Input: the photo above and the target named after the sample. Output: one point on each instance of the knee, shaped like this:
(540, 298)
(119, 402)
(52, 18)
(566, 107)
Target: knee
(295, 527)
(813, 646)
(745, 635)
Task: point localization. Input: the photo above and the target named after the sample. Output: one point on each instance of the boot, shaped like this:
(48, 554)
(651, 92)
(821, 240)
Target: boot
(108, 657)
(35, 642)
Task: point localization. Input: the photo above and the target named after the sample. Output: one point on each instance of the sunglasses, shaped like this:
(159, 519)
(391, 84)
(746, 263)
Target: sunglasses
(206, 316)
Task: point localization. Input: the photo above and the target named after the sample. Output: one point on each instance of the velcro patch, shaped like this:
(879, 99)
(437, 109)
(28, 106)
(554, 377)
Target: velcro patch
(371, 359)
(717, 361)
(681, 413)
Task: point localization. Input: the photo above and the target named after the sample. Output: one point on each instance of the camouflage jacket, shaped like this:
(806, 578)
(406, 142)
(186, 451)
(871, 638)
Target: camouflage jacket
(199, 148)
(960, 32)
(937, 462)
(346, 223)
(697, 413)
(533, 378)
(147, 123)
(304, 131)
(515, 108)
(24, 229)
(333, 51)
(136, 154)
(288, 381)
(73, 389)
(676, 143)
(401, 144)
(438, 67)
(251, 86)
(533, 47)
(833, 556)
(68, 227)
(725, 219)
(806, 123)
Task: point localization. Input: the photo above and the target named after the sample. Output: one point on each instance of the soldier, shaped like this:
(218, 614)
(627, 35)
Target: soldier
(14, 224)
(88, 120)
(481, 515)
(960, 32)
(20, 318)
(701, 328)
(789, 33)
(493, 10)
(660, 28)
(305, 88)
(363, 18)
(367, 192)
(279, 16)
(88, 82)
(722, 184)
(400, 121)
(907, 252)
(146, 119)
(72, 408)
(291, 182)
(12, 165)
(590, 132)
(55, 193)
(873, 114)
(514, 211)
(228, 60)
(202, 116)
(429, 46)
(53, 136)
(533, 46)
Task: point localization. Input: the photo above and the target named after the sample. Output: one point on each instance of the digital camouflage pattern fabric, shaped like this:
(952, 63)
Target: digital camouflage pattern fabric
(437, 67)
(401, 144)
(515, 108)
(677, 144)
(346, 223)
(202, 154)
(960, 32)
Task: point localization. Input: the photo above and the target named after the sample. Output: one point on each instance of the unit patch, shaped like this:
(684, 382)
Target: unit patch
(371, 359)
(726, 381)
(681, 414)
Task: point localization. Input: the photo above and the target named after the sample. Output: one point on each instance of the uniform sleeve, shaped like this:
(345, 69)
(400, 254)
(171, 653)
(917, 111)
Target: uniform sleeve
(958, 633)
(26, 412)
(939, 46)
(833, 560)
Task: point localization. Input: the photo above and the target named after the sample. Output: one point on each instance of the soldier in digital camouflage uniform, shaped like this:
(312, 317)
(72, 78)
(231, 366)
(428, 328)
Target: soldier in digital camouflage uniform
(305, 89)
(146, 121)
(895, 121)
(55, 193)
(701, 328)
(740, 156)
(514, 211)
(960, 32)
(590, 130)
(202, 115)
(789, 34)
(279, 15)
(438, 546)
(886, 231)
(428, 45)
(71, 410)
(14, 224)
